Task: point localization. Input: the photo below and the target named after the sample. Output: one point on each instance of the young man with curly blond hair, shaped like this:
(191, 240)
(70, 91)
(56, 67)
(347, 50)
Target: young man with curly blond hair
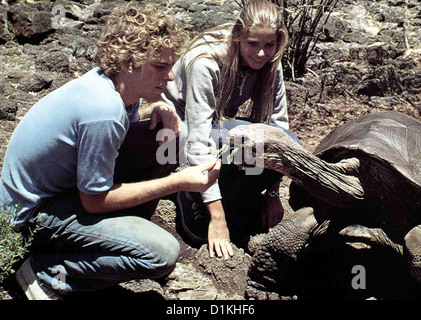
(82, 165)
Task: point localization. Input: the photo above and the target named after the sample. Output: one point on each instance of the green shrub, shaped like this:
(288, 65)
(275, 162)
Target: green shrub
(13, 245)
(305, 20)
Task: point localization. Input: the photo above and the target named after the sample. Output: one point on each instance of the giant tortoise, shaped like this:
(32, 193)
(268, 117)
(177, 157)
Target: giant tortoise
(365, 174)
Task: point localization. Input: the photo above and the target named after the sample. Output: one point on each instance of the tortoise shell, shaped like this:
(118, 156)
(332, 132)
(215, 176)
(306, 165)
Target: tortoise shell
(389, 136)
(388, 145)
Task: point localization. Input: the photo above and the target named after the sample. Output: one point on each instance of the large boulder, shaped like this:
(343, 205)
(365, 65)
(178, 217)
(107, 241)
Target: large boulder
(31, 22)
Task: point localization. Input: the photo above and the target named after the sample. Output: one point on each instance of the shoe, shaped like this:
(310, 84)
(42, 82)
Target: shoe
(33, 290)
(194, 218)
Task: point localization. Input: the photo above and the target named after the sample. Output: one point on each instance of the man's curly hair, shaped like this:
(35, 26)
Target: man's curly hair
(135, 35)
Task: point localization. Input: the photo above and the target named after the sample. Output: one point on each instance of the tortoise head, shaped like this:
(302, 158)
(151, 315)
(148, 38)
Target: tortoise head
(274, 149)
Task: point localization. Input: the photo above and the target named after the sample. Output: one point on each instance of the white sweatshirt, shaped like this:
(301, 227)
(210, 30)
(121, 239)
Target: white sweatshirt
(192, 94)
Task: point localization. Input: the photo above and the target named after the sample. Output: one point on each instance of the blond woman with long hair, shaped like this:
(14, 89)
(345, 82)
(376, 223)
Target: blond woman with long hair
(223, 68)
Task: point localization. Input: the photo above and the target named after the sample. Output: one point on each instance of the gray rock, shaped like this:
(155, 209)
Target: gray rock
(5, 34)
(55, 60)
(228, 275)
(6, 89)
(380, 81)
(144, 286)
(187, 283)
(37, 82)
(31, 22)
(8, 109)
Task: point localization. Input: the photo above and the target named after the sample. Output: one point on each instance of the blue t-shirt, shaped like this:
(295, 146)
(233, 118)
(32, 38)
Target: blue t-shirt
(68, 139)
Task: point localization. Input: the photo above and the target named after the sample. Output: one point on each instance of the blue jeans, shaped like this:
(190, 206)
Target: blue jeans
(76, 250)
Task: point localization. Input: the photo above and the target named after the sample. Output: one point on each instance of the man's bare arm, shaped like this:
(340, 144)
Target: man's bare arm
(127, 195)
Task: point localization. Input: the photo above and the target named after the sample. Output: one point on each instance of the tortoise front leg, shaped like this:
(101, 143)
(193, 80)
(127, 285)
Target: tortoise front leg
(412, 250)
(278, 252)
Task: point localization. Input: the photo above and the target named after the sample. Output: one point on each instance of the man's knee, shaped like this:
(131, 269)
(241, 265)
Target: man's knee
(166, 255)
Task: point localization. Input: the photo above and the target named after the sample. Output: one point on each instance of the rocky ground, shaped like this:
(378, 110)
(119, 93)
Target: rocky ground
(368, 59)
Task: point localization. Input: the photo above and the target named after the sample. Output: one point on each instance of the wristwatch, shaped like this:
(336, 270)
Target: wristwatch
(272, 194)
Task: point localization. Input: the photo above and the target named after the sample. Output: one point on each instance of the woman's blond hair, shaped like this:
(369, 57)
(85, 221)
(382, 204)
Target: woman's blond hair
(256, 14)
(135, 35)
